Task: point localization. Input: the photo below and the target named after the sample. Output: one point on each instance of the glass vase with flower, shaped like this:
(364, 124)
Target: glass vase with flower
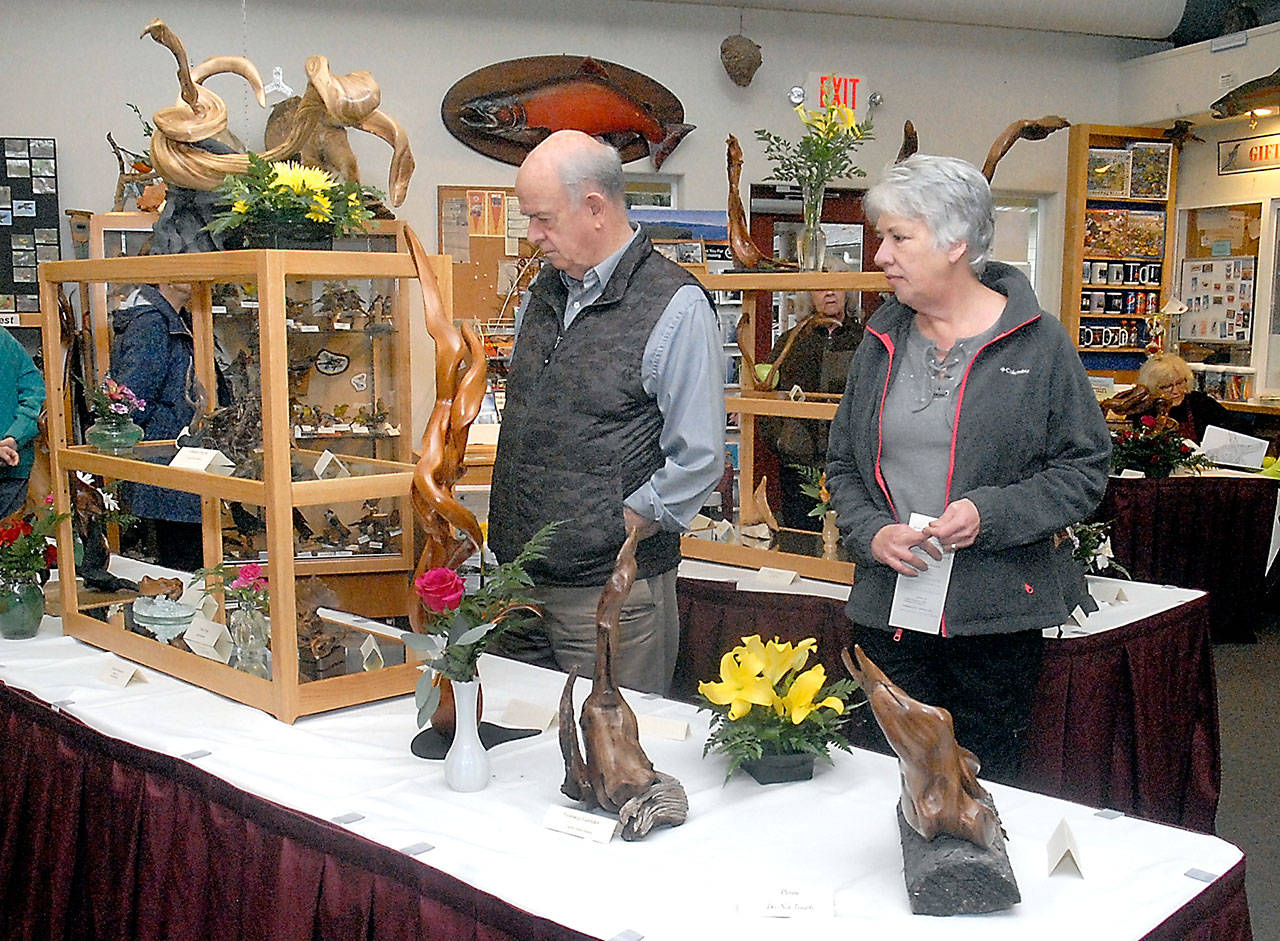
(113, 406)
(823, 154)
(26, 555)
(461, 622)
(771, 716)
(286, 204)
(247, 621)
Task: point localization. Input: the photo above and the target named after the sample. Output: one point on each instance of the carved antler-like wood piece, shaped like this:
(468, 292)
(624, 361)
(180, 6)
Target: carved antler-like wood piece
(616, 774)
(940, 789)
(349, 100)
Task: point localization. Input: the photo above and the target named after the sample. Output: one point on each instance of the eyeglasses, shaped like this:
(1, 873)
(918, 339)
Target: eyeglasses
(1176, 384)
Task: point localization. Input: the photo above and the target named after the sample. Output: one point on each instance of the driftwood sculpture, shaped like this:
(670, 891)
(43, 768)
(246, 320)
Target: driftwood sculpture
(342, 100)
(1139, 400)
(770, 379)
(1026, 129)
(745, 251)
(616, 774)
(954, 858)
(910, 142)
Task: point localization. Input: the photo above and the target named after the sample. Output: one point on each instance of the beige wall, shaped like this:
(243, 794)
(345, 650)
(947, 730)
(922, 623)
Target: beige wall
(71, 66)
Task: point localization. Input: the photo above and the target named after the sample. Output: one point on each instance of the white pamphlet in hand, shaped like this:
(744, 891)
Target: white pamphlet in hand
(917, 601)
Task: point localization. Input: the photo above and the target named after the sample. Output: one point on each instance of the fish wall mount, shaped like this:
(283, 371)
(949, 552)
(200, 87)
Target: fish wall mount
(506, 109)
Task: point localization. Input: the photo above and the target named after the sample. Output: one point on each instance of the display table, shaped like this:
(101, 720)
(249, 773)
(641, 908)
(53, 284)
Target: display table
(1126, 713)
(108, 831)
(1210, 531)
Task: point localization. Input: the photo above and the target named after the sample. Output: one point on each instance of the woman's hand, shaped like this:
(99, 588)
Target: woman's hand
(957, 527)
(892, 546)
(9, 451)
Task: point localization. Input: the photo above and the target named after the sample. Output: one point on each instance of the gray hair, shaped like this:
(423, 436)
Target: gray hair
(599, 165)
(948, 194)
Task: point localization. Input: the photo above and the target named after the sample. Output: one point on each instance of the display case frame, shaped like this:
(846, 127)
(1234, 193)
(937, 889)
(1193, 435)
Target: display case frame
(284, 695)
(749, 402)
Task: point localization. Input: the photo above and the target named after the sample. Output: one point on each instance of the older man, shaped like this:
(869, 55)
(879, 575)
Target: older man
(614, 414)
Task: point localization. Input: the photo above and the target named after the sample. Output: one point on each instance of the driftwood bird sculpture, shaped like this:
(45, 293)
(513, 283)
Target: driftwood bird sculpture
(616, 775)
(910, 142)
(1026, 129)
(940, 789)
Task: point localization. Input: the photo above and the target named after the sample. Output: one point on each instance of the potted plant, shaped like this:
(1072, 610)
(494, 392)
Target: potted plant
(285, 204)
(114, 430)
(26, 554)
(1155, 450)
(823, 154)
(459, 625)
(770, 715)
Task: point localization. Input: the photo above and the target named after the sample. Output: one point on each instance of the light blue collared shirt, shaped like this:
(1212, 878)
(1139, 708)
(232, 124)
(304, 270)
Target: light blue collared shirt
(681, 369)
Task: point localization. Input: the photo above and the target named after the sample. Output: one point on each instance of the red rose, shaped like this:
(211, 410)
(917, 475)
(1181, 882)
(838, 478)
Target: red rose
(440, 589)
(1148, 421)
(50, 555)
(1155, 459)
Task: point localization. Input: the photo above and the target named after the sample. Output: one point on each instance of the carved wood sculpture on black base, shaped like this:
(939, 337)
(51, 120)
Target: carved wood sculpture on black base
(953, 852)
(616, 774)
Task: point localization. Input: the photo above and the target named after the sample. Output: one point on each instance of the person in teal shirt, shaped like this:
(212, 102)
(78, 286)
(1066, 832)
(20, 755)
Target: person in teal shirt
(21, 397)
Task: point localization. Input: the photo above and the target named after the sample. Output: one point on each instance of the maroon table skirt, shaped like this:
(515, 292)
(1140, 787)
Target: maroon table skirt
(1127, 719)
(1211, 533)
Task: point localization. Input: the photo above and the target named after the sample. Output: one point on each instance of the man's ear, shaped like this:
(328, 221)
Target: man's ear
(596, 203)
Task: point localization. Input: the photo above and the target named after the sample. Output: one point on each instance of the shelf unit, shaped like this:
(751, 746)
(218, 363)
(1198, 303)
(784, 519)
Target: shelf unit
(748, 403)
(280, 489)
(1133, 286)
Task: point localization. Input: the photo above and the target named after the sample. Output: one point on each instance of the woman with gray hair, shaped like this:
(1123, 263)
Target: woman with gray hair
(967, 405)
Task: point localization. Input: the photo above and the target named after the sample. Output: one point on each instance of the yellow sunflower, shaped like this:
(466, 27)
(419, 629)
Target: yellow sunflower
(299, 178)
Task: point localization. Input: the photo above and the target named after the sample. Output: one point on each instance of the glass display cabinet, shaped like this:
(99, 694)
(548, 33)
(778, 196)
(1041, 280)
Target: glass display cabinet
(314, 473)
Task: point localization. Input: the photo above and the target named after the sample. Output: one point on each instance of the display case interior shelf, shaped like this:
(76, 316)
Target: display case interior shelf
(1118, 248)
(279, 481)
(747, 403)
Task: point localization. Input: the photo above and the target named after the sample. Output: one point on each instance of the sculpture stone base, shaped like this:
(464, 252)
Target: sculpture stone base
(949, 876)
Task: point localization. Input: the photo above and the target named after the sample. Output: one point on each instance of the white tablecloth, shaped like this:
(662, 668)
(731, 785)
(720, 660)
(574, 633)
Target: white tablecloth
(835, 835)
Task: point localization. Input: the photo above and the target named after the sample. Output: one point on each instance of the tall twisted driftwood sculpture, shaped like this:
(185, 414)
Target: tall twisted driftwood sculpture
(616, 774)
(460, 387)
(345, 100)
(954, 859)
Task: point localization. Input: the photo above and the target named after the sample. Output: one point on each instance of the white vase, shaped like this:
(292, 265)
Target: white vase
(466, 766)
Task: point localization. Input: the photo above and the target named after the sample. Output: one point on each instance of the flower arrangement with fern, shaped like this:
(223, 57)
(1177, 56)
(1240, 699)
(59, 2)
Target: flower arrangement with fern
(284, 194)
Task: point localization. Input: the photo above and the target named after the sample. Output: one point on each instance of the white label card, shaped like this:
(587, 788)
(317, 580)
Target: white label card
(581, 824)
(918, 600)
(673, 730)
(522, 714)
(766, 579)
(330, 467)
(208, 460)
(10, 320)
(117, 672)
(788, 902)
(371, 654)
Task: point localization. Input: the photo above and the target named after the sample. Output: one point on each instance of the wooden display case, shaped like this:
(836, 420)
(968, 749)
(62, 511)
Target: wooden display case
(286, 482)
(1117, 175)
(748, 403)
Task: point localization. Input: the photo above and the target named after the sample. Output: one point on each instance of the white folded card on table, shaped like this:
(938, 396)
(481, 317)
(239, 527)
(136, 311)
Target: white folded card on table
(1232, 447)
(209, 639)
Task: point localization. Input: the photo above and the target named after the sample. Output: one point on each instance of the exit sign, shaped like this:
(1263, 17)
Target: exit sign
(834, 88)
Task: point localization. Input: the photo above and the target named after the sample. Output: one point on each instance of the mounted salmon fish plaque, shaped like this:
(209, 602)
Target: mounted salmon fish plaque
(506, 109)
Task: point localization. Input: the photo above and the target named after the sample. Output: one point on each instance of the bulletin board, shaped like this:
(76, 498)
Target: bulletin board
(482, 228)
(1218, 293)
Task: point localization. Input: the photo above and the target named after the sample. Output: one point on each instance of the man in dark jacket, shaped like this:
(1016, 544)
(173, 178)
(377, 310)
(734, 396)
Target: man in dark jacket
(614, 415)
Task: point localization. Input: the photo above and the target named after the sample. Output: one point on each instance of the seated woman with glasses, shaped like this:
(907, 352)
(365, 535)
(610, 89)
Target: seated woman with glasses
(1169, 377)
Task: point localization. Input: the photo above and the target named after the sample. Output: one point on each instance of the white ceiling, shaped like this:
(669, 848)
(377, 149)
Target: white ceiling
(1143, 19)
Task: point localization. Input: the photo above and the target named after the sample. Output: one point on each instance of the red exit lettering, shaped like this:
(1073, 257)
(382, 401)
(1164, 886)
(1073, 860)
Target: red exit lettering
(840, 89)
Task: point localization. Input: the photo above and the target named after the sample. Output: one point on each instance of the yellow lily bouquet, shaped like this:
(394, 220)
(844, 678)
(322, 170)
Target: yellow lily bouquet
(766, 703)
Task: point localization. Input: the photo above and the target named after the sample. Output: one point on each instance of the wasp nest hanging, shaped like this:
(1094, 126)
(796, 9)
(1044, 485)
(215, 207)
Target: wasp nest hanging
(740, 57)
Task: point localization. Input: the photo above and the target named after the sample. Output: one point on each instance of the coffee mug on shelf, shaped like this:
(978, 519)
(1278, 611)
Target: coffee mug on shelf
(1098, 273)
(1097, 302)
(1115, 273)
(1086, 336)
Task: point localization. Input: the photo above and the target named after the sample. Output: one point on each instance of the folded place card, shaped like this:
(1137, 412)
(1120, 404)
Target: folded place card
(209, 639)
(208, 460)
(118, 672)
(522, 714)
(581, 824)
(328, 467)
(1064, 853)
(766, 579)
(371, 654)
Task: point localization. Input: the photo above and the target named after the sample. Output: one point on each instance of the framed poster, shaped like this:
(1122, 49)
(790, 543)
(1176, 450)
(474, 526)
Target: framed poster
(29, 222)
(1218, 293)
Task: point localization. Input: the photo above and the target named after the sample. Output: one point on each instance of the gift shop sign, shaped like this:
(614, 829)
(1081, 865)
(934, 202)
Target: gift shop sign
(1249, 154)
(824, 88)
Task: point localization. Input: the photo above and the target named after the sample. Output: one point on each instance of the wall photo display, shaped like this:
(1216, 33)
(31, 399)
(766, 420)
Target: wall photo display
(1218, 293)
(29, 223)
